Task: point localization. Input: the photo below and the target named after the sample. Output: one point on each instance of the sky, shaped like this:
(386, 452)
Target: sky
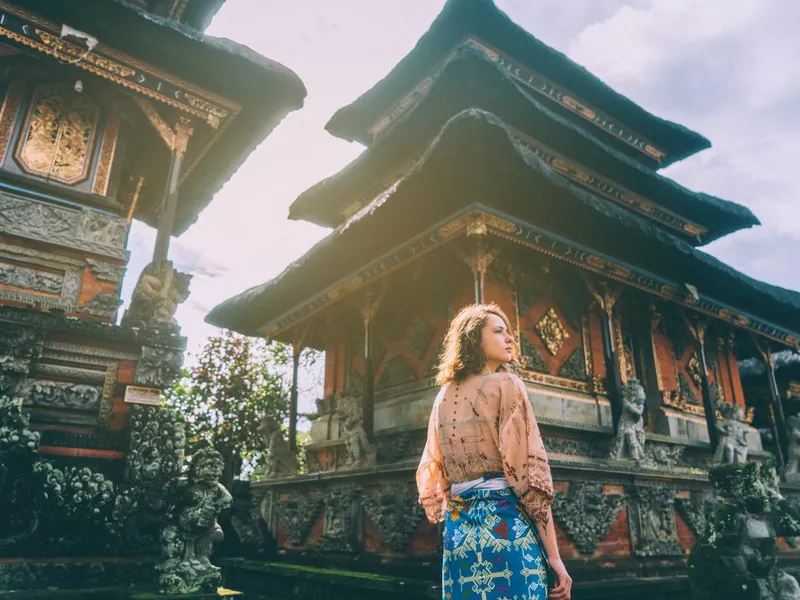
(727, 69)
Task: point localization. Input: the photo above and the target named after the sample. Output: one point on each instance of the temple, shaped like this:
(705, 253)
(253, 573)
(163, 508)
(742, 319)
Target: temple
(110, 112)
(497, 170)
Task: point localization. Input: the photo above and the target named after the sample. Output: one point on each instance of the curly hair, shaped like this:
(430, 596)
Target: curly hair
(462, 352)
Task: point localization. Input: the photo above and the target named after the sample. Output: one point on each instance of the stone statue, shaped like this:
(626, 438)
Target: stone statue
(792, 472)
(159, 291)
(630, 432)
(359, 452)
(732, 446)
(279, 460)
(736, 556)
(187, 542)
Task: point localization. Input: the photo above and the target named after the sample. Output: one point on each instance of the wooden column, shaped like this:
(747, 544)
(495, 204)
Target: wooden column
(606, 298)
(698, 328)
(368, 309)
(296, 350)
(478, 256)
(169, 206)
(777, 417)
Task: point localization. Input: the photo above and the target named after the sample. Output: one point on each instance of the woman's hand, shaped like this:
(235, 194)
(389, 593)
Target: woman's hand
(562, 586)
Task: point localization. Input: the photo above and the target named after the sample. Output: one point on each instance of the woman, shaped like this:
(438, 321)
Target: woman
(484, 471)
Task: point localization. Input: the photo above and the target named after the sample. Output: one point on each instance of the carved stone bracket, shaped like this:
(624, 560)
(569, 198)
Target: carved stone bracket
(586, 513)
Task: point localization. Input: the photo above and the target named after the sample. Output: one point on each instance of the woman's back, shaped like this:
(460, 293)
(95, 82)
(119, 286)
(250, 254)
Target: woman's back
(468, 426)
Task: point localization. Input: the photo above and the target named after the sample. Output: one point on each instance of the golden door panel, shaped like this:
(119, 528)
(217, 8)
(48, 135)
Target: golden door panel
(58, 135)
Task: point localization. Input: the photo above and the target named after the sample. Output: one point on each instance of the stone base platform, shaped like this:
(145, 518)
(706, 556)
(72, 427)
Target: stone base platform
(284, 581)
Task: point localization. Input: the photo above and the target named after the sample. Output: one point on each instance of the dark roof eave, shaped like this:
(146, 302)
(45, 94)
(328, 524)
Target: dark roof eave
(266, 90)
(245, 312)
(736, 216)
(461, 17)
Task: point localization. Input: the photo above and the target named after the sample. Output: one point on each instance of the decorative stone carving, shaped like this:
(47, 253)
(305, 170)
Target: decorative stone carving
(697, 511)
(629, 439)
(652, 521)
(660, 455)
(187, 542)
(102, 229)
(297, 514)
(60, 394)
(159, 291)
(104, 271)
(159, 366)
(104, 304)
(83, 230)
(732, 446)
(736, 556)
(792, 471)
(45, 219)
(157, 446)
(279, 460)
(359, 452)
(400, 446)
(396, 511)
(19, 346)
(575, 366)
(575, 447)
(586, 513)
(338, 532)
(30, 279)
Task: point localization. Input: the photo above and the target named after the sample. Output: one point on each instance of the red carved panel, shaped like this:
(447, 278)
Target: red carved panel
(596, 343)
(685, 536)
(618, 540)
(666, 362)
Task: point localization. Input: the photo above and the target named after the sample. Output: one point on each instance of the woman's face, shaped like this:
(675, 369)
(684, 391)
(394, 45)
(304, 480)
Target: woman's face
(497, 342)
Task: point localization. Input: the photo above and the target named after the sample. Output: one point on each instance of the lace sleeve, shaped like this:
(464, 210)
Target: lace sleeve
(524, 457)
(434, 489)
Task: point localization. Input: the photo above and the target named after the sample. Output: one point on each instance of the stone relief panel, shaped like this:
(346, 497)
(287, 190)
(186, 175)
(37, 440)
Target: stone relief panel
(297, 513)
(586, 513)
(652, 521)
(396, 511)
(83, 229)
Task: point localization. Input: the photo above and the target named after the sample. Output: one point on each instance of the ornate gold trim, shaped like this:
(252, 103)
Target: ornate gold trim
(119, 68)
(677, 400)
(793, 391)
(107, 152)
(556, 382)
(9, 110)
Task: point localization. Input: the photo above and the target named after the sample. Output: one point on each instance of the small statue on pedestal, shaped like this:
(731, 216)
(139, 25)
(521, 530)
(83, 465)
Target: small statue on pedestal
(359, 451)
(279, 460)
(187, 542)
(792, 472)
(159, 291)
(736, 557)
(630, 431)
(732, 446)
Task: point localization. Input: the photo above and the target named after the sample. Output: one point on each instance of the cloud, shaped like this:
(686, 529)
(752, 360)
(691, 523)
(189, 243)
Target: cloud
(727, 70)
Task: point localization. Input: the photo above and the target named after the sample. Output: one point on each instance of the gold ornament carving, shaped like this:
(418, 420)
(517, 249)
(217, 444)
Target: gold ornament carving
(58, 135)
(678, 400)
(68, 52)
(693, 369)
(107, 153)
(552, 332)
(8, 112)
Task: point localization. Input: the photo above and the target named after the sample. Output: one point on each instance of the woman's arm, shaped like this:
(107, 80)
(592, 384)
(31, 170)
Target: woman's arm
(562, 586)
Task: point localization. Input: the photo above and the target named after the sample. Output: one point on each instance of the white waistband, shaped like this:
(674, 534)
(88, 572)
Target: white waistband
(496, 483)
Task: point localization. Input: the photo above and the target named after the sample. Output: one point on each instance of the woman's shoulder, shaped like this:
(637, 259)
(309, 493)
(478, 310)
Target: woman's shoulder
(503, 380)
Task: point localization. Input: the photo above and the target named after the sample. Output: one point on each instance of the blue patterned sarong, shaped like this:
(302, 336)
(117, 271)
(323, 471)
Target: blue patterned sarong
(490, 550)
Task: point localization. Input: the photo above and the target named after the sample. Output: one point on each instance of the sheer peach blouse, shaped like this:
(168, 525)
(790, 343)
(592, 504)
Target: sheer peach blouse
(484, 424)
